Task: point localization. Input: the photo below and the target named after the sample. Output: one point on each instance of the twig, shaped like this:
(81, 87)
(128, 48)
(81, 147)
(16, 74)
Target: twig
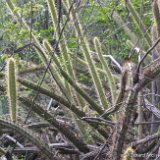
(153, 151)
(63, 128)
(63, 150)
(152, 108)
(13, 140)
(129, 112)
(38, 125)
(114, 61)
(98, 120)
(119, 100)
(89, 155)
(104, 145)
(136, 77)
(101, 150)
(144, 123)
(146, 139)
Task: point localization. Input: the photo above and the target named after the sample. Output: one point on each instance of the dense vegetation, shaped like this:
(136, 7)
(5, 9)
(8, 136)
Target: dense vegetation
(79, 80)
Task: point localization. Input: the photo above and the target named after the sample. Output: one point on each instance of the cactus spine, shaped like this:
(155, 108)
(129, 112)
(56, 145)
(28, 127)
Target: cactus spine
(12, 88)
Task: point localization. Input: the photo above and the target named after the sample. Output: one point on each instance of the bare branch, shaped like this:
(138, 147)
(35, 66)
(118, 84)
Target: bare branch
(146, 139)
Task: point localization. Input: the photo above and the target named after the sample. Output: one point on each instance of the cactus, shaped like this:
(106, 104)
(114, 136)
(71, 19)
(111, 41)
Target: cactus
(68, 65)
(156, 16)
(110, 77)
(65, 75)
(12, 88)
(77, 97)
(50, 51)
(155, 30)
(64, 51)
(139, 22)
(62, 127)
(28, 134)
(86, 51)
(118, 19)
(128, 154)
(53, 12)
(68, 74)
(93, 104)
(38, 46)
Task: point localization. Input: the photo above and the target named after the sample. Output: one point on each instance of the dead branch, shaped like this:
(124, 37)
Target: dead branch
(146, 139)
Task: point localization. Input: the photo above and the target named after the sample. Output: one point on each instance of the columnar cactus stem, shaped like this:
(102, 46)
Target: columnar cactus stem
(86, 51)
(32, 136)
(138, 21)
(39, 48)
(110, 77)
(12, 88)
(64, 49)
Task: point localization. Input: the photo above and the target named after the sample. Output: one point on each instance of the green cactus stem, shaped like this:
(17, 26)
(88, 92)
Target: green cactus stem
(110, 77)
(63, 128)
(38, 46)
(12, 88)
(43, 146)
(118, 19)
(64, 51)
(138, 21)
(86, 51)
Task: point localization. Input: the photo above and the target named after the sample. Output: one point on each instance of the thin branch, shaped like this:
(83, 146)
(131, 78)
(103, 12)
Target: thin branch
(119, 100)
(13, 140)
(146, 139)
(63, 128)
(153, 151)
(152, 108)
(114, 61)
(145, 123)
(98, 121)
(104, 145)
(136, 77)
